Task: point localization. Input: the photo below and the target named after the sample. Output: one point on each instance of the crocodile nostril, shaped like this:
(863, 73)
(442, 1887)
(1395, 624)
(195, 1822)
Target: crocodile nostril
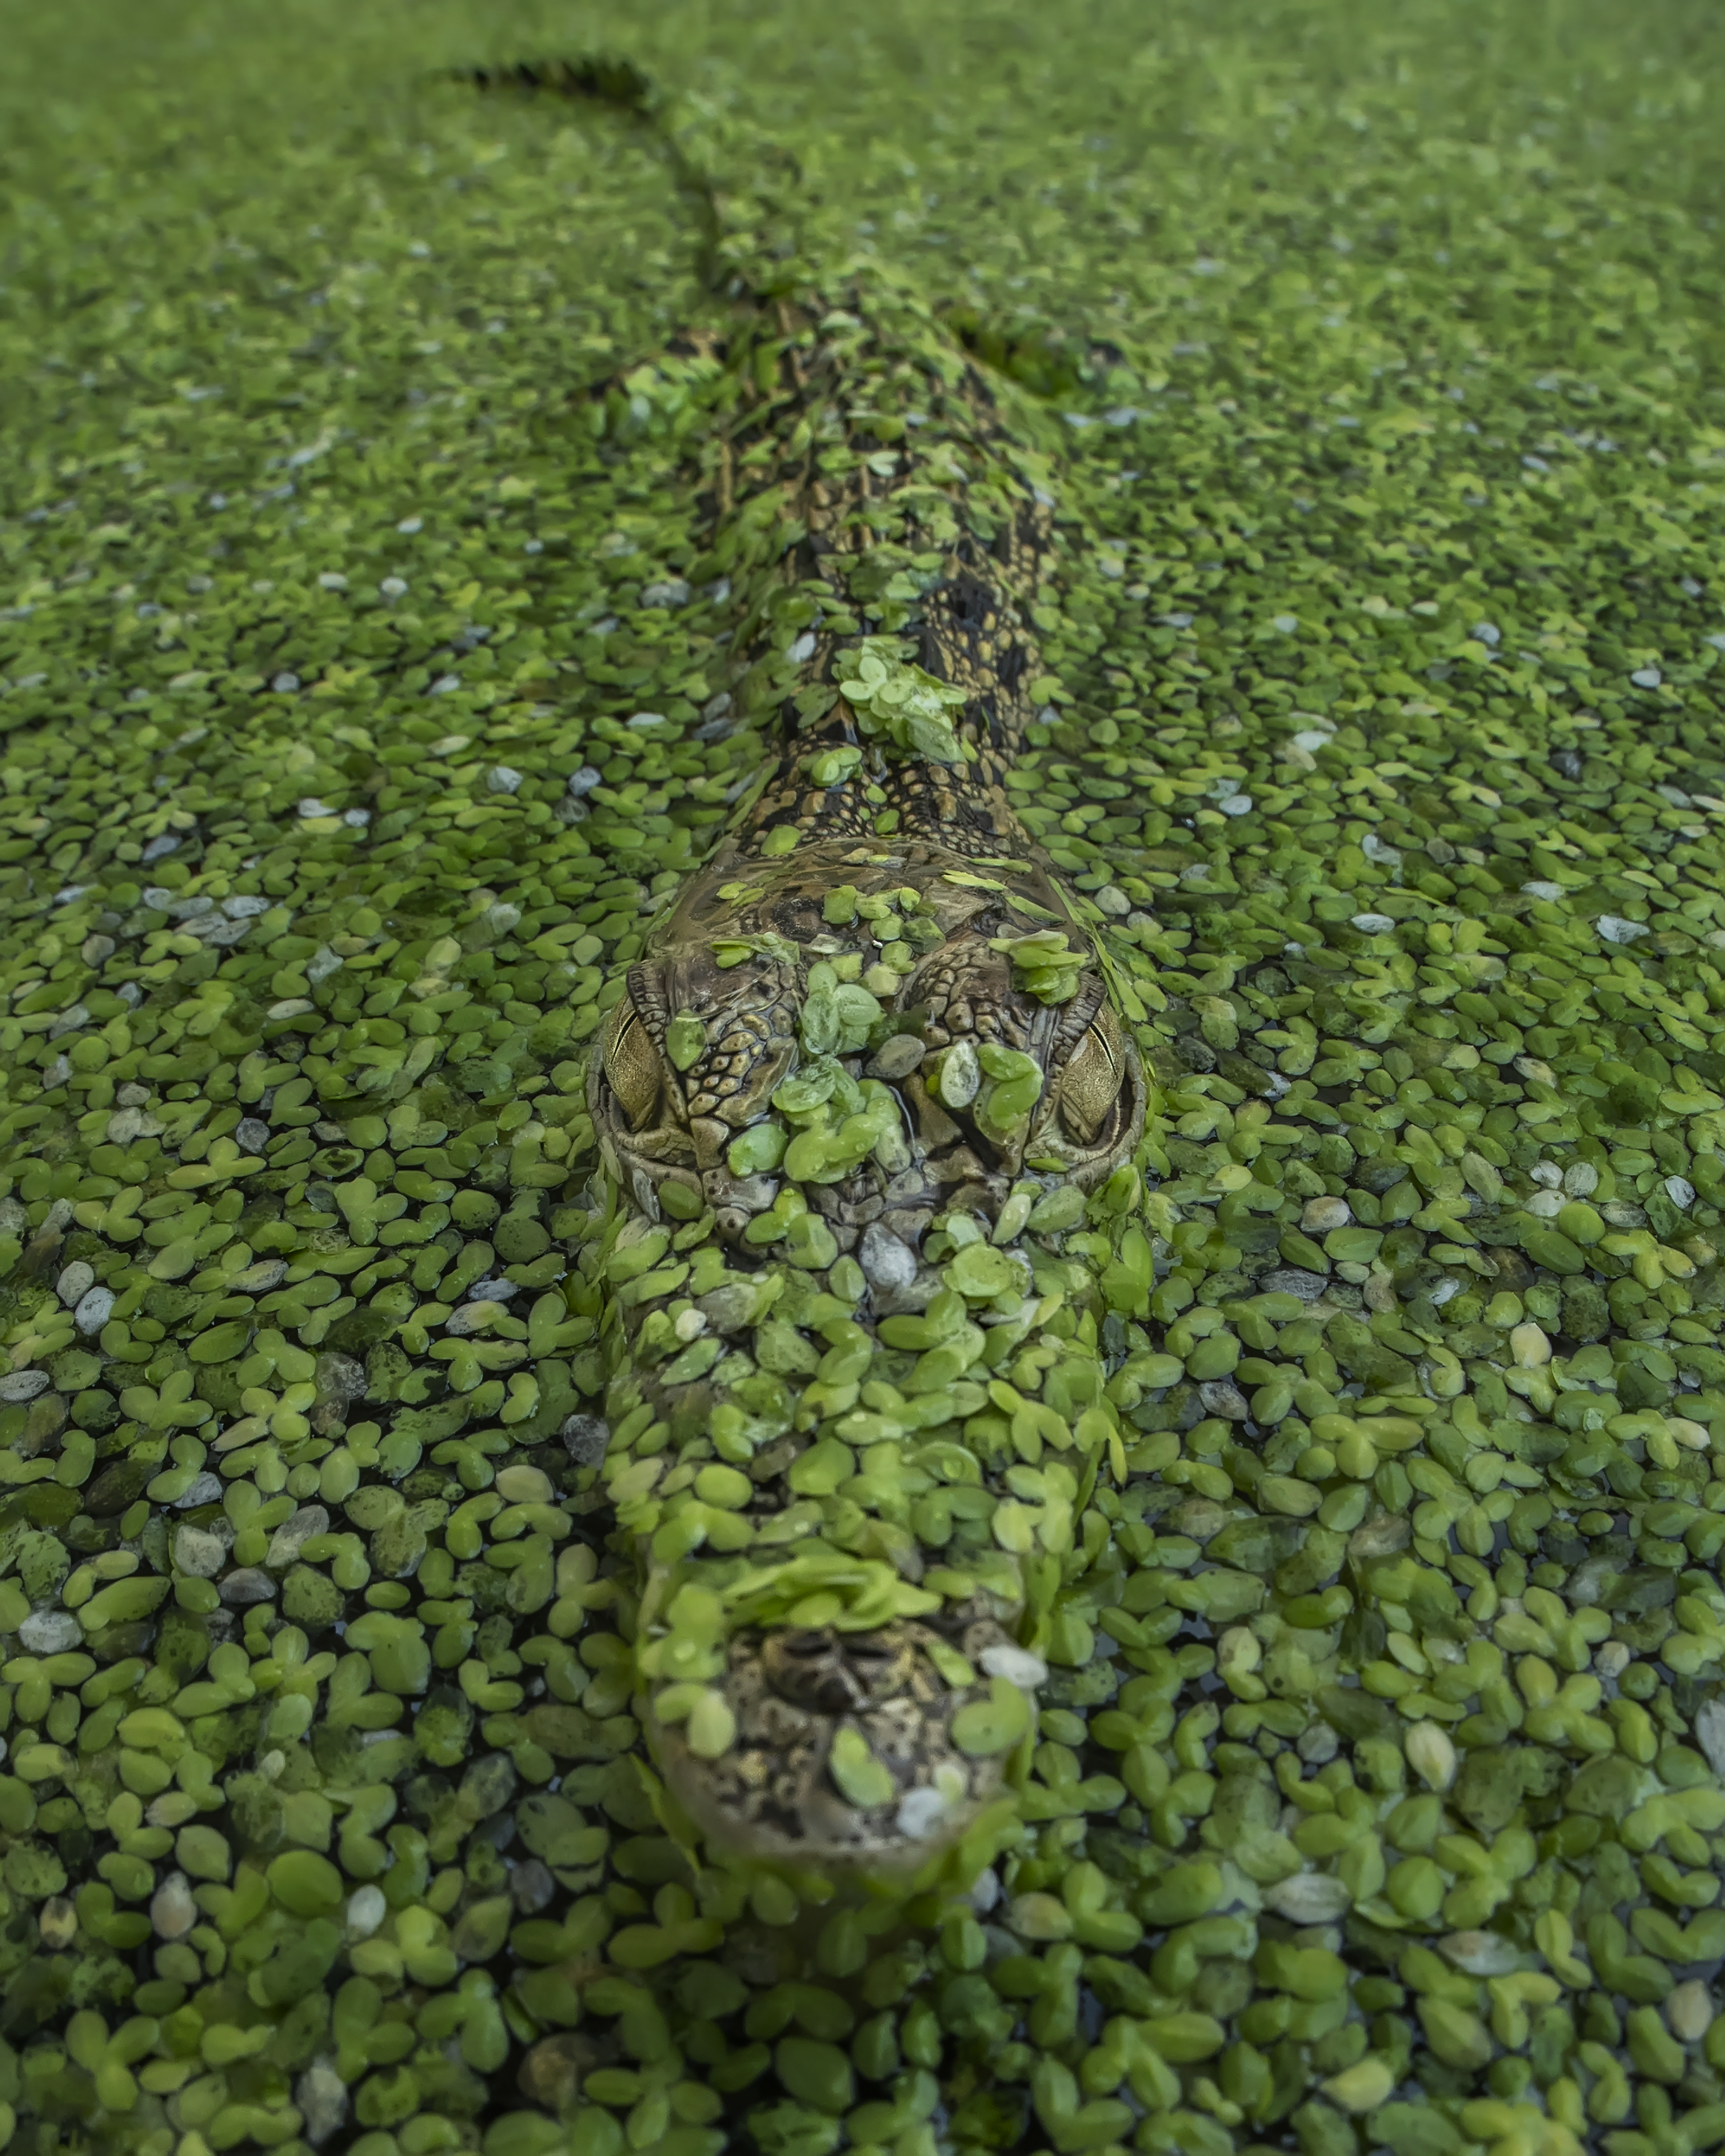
(804, 1645)
(808, 1669)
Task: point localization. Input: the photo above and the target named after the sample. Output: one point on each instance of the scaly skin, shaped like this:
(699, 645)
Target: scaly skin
(787, 1605)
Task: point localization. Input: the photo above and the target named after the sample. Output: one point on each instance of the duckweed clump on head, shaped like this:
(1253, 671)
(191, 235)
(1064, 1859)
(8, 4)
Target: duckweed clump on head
(1373, 1795)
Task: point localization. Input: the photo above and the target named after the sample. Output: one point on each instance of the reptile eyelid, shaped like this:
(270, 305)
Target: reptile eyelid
(1094, 1074)
(633, 1065)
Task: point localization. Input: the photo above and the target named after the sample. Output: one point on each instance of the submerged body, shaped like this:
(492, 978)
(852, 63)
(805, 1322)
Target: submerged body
(868, 1047)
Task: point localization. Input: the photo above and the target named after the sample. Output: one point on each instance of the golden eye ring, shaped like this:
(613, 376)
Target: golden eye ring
(1094, 1072)
(633, 1068)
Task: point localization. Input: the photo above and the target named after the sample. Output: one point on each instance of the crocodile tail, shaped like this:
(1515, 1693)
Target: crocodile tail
(873, 492)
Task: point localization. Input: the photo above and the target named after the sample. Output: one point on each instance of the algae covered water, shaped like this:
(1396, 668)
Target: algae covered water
(372, 689)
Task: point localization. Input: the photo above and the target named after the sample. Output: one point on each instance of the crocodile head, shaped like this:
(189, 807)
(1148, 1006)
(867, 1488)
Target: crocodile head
(862, 1716)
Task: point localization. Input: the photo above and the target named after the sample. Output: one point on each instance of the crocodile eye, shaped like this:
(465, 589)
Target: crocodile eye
(1090, 1083)
(633, 1065)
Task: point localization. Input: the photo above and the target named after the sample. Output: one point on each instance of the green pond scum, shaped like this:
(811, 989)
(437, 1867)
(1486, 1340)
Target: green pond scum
(394, 622)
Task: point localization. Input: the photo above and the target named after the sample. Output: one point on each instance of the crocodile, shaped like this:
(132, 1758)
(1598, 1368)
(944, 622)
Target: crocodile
(870, 1042)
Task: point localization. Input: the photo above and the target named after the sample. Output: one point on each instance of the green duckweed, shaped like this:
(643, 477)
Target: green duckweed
(361, 710)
